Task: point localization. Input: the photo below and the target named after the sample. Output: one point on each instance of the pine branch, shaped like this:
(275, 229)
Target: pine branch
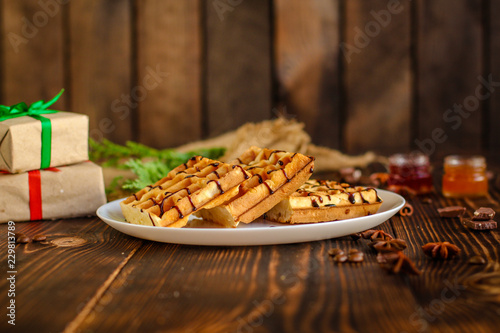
(131, 155)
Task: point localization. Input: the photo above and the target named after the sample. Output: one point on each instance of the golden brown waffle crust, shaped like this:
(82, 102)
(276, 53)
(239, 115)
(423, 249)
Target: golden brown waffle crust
(198, 183)
(321, 201)
(274, 175)
(279, 194)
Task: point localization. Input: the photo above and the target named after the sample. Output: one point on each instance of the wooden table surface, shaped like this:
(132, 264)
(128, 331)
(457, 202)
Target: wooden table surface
(89, 277)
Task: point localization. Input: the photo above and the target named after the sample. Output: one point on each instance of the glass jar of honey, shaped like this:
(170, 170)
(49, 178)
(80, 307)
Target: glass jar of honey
(411, 170)
(464, 176)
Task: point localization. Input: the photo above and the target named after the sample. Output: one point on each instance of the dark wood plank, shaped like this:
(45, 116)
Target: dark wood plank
(320, 294)
(281, 288)
(97, 279)
(307, 56)
(494, 115)
(100, 33)
(448, 292)
(376, 53)
(169, 45)
(449, 62)
(205, 288)
(66, 276)
(238, 64)
(33, 52)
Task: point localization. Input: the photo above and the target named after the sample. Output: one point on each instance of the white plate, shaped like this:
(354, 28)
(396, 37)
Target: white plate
(259, 232)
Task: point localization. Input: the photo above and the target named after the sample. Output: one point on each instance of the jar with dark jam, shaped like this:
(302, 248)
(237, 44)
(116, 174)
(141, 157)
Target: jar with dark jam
(464, 176)
(411, 170)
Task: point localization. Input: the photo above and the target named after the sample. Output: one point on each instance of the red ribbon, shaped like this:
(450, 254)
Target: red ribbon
(35, 186)
(35, 192)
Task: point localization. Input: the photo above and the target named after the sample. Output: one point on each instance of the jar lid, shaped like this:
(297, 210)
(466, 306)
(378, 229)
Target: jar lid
(473, 161)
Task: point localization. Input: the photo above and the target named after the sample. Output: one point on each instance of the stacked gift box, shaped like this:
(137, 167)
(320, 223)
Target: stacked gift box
(44, 167)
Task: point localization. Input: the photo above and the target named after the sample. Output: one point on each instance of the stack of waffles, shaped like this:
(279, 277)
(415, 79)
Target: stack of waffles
(260, 182)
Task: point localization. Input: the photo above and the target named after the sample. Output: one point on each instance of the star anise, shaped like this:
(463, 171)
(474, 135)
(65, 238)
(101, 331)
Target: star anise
(391, 245)
(397, 262)
(441, 250)
(376, 235)
(387, 257)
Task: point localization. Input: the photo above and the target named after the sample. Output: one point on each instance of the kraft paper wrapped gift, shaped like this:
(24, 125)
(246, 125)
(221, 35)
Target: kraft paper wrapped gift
(68, 191)
(33, 137)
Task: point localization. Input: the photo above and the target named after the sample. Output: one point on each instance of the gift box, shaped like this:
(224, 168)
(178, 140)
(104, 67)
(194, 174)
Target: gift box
(68, 191)
(34, 137)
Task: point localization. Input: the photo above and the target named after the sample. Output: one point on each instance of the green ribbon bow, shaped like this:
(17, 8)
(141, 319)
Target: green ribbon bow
(35, 111)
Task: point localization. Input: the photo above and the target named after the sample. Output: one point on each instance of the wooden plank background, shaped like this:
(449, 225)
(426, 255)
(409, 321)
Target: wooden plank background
(238, 64)
(169, 44)
(449, 61)
(384, 75)
(100, 70)
(377, 75)
(307, 65)
(493, 67)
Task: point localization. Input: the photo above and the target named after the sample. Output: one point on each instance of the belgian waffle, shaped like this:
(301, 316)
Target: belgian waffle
(198, 183)
(274, 175)
(322, 200)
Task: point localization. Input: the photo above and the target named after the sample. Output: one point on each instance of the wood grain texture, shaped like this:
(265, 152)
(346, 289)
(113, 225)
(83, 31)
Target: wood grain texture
(238, 63)
(33, 49)
(376, 53)
(97, 279)
(494, 111)
(287, 288)
(449, 62)
(307, 34)
(100, 53)
(63, 276)
(168, 89)
(451, 290)
(215, 295)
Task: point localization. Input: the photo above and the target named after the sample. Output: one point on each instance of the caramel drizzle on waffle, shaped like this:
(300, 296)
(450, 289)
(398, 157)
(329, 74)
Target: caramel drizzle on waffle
(262, 166)
(164, 197)
(320, 190)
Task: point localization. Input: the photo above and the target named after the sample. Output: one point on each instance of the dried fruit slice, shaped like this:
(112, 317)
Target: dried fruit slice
(186, 189)
(322, 200)
(274, 175)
